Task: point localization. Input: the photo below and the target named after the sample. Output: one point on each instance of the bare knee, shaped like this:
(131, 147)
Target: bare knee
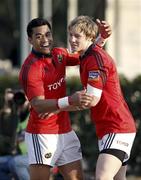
(38, 172)
(120, 177)
(104, 177)
(72, 175)
(72, 171)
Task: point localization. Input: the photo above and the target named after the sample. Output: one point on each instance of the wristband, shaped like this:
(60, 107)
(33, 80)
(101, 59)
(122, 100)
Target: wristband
(63, 102)
(100, 40)
(57, 104)
(70, 100)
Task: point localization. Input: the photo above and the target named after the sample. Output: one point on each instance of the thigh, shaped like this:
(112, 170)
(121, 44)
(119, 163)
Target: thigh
(43, 148)
(105, 168)
(119, 141)
(72, 171)
(121, 174)
(71, 151)
(69, 161)
(39, 172)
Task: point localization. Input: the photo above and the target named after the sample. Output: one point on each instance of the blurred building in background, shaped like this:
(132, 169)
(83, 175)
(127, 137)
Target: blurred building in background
(124, 16)
(125, 42)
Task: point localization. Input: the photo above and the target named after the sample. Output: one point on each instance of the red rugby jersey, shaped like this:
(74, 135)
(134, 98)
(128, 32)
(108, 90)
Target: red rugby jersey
(45, 75)
(111, 114)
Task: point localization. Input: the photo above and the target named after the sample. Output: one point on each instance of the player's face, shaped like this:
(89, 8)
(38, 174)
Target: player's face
(78, 41)
(41, 39)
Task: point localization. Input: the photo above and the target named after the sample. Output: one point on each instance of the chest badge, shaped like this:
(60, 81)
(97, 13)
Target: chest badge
(60, 58)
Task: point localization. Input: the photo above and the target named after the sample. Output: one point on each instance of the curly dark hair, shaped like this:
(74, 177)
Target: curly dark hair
(35, 23)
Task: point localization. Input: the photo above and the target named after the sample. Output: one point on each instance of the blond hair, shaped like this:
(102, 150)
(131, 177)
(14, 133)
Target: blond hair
(86, 25)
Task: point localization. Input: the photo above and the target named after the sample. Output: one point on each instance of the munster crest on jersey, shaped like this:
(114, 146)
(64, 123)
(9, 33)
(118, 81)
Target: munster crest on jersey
(48, 155)
(60, 58)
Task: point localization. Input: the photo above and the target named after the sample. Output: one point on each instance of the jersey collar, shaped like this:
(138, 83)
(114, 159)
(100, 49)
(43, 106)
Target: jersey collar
(40, 55)
(88, 51)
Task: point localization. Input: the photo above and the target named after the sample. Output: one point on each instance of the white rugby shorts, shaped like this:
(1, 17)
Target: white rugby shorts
(120, 141)
(53, 149)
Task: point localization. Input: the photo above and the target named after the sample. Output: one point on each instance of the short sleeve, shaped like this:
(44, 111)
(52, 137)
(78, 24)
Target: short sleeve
(97, 72)
(31, 78)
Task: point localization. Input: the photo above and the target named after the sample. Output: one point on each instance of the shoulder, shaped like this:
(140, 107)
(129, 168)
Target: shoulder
(98, 50)
(32, 59)
(31, 62)
(31, 67)
(59, 54)
(103, 59)
(100, 53)
(59, 50)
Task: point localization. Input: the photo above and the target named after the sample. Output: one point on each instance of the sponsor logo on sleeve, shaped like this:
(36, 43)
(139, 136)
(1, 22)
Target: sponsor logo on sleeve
(93, 75)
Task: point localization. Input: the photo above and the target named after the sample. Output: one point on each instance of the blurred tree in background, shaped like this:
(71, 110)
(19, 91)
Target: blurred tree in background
(95, 9)
(132, 92)
(9, 30)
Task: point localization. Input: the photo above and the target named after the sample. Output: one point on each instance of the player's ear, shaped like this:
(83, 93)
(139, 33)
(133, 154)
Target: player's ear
(30, 40)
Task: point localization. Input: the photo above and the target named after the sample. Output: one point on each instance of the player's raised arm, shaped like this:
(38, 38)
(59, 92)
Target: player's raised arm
(105, 32)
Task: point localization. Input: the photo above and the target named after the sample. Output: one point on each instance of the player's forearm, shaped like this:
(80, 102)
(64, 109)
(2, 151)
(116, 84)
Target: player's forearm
(100, 41)
(105, 32)
(43, 105)
(71, 108)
